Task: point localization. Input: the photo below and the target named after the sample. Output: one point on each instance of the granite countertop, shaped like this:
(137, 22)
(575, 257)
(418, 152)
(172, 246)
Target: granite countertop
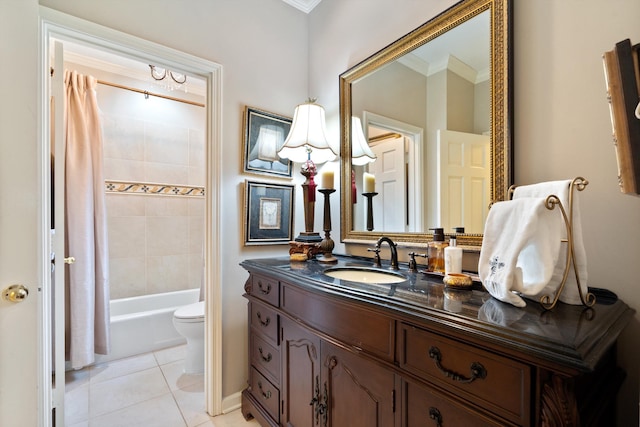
(575, 336)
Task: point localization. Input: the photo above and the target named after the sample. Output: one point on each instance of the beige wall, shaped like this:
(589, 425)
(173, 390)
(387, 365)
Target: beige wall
(155, 241)
(460, 103)
(562, 126)
(562, 129)
(396, 92)
(482, 108)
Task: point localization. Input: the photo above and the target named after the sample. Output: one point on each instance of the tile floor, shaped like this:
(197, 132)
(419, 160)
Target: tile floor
(149, 390)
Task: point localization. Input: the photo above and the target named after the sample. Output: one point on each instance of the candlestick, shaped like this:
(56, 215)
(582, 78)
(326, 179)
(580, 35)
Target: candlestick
(327, 244)
(354, 189)
(369, 183)
(308, 170)
(369, 196)
(327, 180)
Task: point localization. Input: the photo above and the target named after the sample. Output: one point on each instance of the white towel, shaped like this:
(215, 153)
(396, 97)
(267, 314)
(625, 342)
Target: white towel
(520, 249)
(570, 294)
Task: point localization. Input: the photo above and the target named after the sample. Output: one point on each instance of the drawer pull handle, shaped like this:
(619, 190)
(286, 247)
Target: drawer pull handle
(265, 322)
(266, 358)
(477, 370)
(264, 290)
(266, 395)
(436, 416)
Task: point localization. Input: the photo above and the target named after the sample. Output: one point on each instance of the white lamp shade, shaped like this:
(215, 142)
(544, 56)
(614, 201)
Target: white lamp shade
(361, 153)
(267, 142)
(307, 135)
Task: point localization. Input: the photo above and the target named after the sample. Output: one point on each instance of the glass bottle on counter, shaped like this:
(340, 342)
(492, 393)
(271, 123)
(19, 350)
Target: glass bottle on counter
(436, 251)
(452, 257)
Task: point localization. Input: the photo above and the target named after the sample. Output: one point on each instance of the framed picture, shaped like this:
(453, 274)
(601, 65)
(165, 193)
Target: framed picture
(268, 213)
(264, 134)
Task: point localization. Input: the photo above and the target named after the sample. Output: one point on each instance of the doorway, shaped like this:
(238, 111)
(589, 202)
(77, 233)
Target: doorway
(71, 32)
(409, 150)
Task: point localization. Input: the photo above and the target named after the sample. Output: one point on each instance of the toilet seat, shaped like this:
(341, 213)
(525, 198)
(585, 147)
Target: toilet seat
(190, 313)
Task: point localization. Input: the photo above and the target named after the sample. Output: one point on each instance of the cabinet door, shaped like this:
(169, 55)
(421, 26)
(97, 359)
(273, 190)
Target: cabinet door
(361, 393)
(301, 375)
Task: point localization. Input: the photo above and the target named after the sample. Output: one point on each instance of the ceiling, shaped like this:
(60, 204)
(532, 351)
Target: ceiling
(127, 67)
(464, 49)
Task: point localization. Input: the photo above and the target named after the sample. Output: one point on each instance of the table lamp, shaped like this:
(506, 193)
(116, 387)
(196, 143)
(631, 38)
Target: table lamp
(361, 153)
(307, 144)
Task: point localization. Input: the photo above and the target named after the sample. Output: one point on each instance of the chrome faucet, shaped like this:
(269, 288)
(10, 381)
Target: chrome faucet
(394, 250)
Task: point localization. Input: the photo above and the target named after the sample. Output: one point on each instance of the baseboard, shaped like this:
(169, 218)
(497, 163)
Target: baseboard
(232, 402)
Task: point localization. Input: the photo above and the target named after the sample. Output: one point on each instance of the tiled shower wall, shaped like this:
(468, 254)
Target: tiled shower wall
(155, 240)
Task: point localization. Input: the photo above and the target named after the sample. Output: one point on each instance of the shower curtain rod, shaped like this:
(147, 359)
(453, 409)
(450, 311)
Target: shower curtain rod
(147, 93)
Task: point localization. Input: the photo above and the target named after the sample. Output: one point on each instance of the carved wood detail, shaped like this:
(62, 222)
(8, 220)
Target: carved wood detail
(312, 351)
(248, 285)
(559, 406)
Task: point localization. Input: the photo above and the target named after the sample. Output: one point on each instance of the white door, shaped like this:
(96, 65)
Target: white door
(19, 265)
(22, 226)
(390, 205)
(464, 173)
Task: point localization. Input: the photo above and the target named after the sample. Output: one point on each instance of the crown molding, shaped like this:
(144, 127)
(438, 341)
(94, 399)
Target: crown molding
(304, 5)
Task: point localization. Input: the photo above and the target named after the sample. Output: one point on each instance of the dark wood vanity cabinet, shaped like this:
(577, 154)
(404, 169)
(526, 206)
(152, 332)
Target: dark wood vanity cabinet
(264, 350)
(332, 355)
(499, 384)
(324, 385)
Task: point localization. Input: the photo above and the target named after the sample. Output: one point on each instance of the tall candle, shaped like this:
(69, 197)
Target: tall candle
(369, 183)
(327, 180)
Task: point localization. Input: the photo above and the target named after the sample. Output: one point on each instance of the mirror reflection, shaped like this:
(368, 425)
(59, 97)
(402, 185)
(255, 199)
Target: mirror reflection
(432, 116)
(428, 111)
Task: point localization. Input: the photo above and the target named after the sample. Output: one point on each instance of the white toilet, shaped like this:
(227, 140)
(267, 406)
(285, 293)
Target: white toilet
(189, 322)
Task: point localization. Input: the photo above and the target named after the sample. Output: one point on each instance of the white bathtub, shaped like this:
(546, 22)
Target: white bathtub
(143, 324)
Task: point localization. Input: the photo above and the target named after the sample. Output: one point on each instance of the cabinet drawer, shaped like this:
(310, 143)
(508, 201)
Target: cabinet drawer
(264, 320)
(265, 393)
(266, 358)
(265, 288)
(497, 383)
(353, 324)
(426, 407)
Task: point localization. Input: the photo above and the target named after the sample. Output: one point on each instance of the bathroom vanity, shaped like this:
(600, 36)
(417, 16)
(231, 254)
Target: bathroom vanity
(325, 351)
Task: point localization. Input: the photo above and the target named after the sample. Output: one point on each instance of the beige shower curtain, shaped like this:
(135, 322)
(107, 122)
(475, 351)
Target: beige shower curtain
(87, 287)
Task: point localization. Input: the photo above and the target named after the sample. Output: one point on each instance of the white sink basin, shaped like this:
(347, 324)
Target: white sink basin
(364, 275)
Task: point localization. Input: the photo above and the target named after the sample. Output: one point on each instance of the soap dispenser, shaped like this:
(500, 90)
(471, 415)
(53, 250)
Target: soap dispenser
(436, 251)
(452, 257)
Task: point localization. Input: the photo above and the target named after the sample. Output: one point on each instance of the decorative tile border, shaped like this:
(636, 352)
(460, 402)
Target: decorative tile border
(153, 189)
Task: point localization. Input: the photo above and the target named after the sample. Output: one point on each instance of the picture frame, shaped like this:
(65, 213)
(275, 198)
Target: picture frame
(621, 76)
(268, 213)
(264, 134)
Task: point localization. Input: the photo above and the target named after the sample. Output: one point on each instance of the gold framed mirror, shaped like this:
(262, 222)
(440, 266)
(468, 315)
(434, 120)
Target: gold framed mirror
(438, 97)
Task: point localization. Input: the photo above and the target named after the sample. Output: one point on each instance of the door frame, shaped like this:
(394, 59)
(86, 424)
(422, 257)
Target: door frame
(391, 207)
(416, 169)
(66, 27)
